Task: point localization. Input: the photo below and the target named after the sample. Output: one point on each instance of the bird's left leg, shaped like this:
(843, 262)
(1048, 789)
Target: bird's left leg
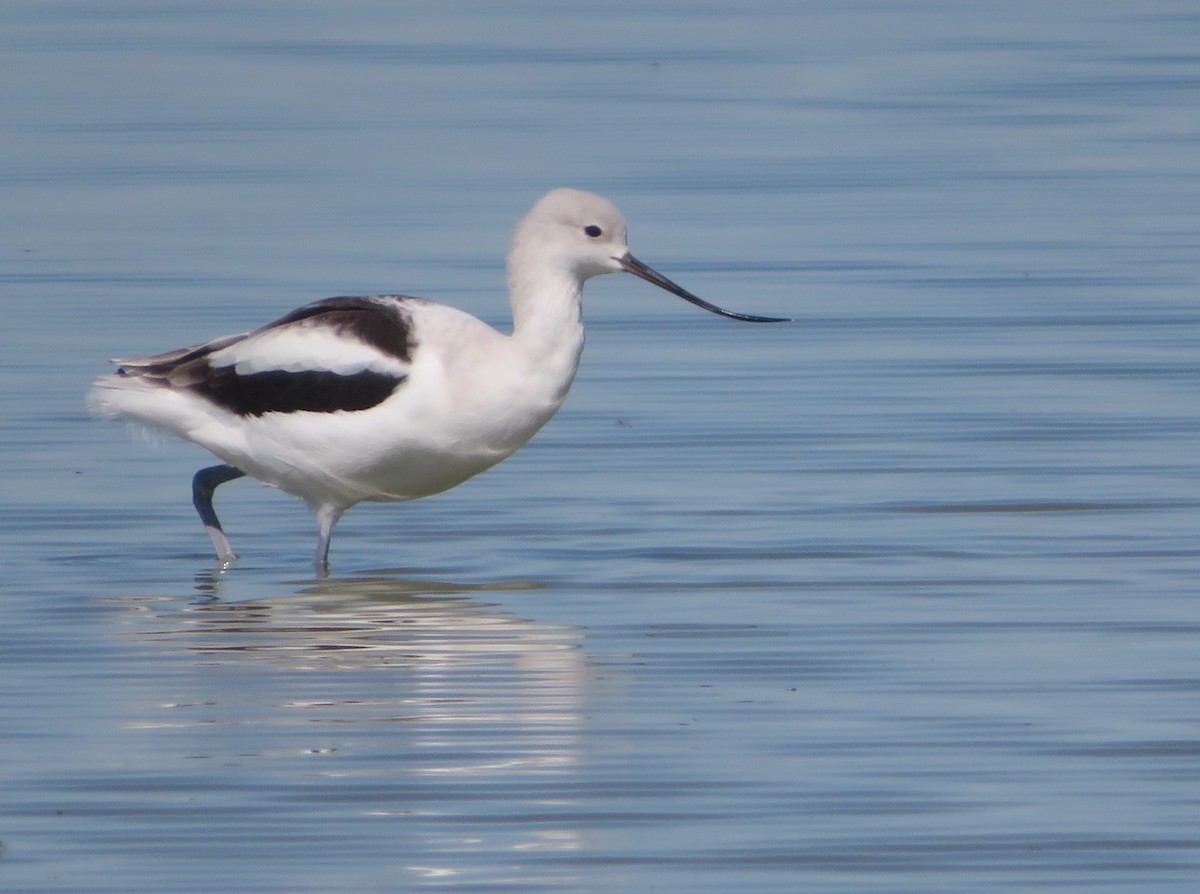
(203, 484)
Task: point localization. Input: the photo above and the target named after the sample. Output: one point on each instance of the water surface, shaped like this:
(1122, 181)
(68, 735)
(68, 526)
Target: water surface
(898, 598)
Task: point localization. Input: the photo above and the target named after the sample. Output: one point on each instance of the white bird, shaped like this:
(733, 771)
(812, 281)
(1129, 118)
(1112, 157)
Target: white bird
(387, 397)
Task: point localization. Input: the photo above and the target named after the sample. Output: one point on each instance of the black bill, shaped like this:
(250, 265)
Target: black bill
(630, 264)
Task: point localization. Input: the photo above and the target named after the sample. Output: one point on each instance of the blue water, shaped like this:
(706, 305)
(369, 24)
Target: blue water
(898, 598)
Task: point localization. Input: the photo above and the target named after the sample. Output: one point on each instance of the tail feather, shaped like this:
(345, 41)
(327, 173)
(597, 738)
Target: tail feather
(146, 401)
(143, 389)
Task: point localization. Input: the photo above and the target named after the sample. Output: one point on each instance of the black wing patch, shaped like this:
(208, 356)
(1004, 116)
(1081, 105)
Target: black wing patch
(276, 391)
(382, 324)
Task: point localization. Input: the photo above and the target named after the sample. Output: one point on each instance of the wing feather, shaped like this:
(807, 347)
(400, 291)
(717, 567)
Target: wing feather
(340, 354)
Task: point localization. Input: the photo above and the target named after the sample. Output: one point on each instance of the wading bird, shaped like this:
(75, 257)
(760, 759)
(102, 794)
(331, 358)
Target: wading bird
(386, 397)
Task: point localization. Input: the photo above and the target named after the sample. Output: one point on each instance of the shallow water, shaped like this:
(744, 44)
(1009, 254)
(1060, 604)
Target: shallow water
(898, 598)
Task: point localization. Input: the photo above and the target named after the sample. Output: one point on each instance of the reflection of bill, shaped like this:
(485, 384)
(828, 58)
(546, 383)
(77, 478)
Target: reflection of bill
(411, 699)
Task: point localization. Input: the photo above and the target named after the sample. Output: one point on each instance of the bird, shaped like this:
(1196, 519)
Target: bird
(386, 397)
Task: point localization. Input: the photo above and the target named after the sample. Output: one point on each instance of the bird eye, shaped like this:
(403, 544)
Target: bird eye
(593, 230)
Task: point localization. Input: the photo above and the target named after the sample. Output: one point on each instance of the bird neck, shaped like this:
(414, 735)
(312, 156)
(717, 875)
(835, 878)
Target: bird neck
(548, 321)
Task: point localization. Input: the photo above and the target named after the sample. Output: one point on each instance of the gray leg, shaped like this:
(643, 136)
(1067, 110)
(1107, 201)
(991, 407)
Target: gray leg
(203, 484)
(327, 517)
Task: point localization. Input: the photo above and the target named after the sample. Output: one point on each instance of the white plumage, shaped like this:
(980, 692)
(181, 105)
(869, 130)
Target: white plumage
(386, 397)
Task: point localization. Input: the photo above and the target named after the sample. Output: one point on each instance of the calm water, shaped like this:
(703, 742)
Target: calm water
(899, 598)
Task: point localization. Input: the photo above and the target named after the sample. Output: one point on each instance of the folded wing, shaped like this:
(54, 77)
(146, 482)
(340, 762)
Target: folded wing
(340, 354)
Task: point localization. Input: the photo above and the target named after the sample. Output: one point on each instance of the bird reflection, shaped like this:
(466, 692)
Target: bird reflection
(379, 684)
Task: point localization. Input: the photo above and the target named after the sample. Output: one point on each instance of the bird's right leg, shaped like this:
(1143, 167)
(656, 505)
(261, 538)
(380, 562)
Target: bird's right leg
(203, 484)
(327, 517)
